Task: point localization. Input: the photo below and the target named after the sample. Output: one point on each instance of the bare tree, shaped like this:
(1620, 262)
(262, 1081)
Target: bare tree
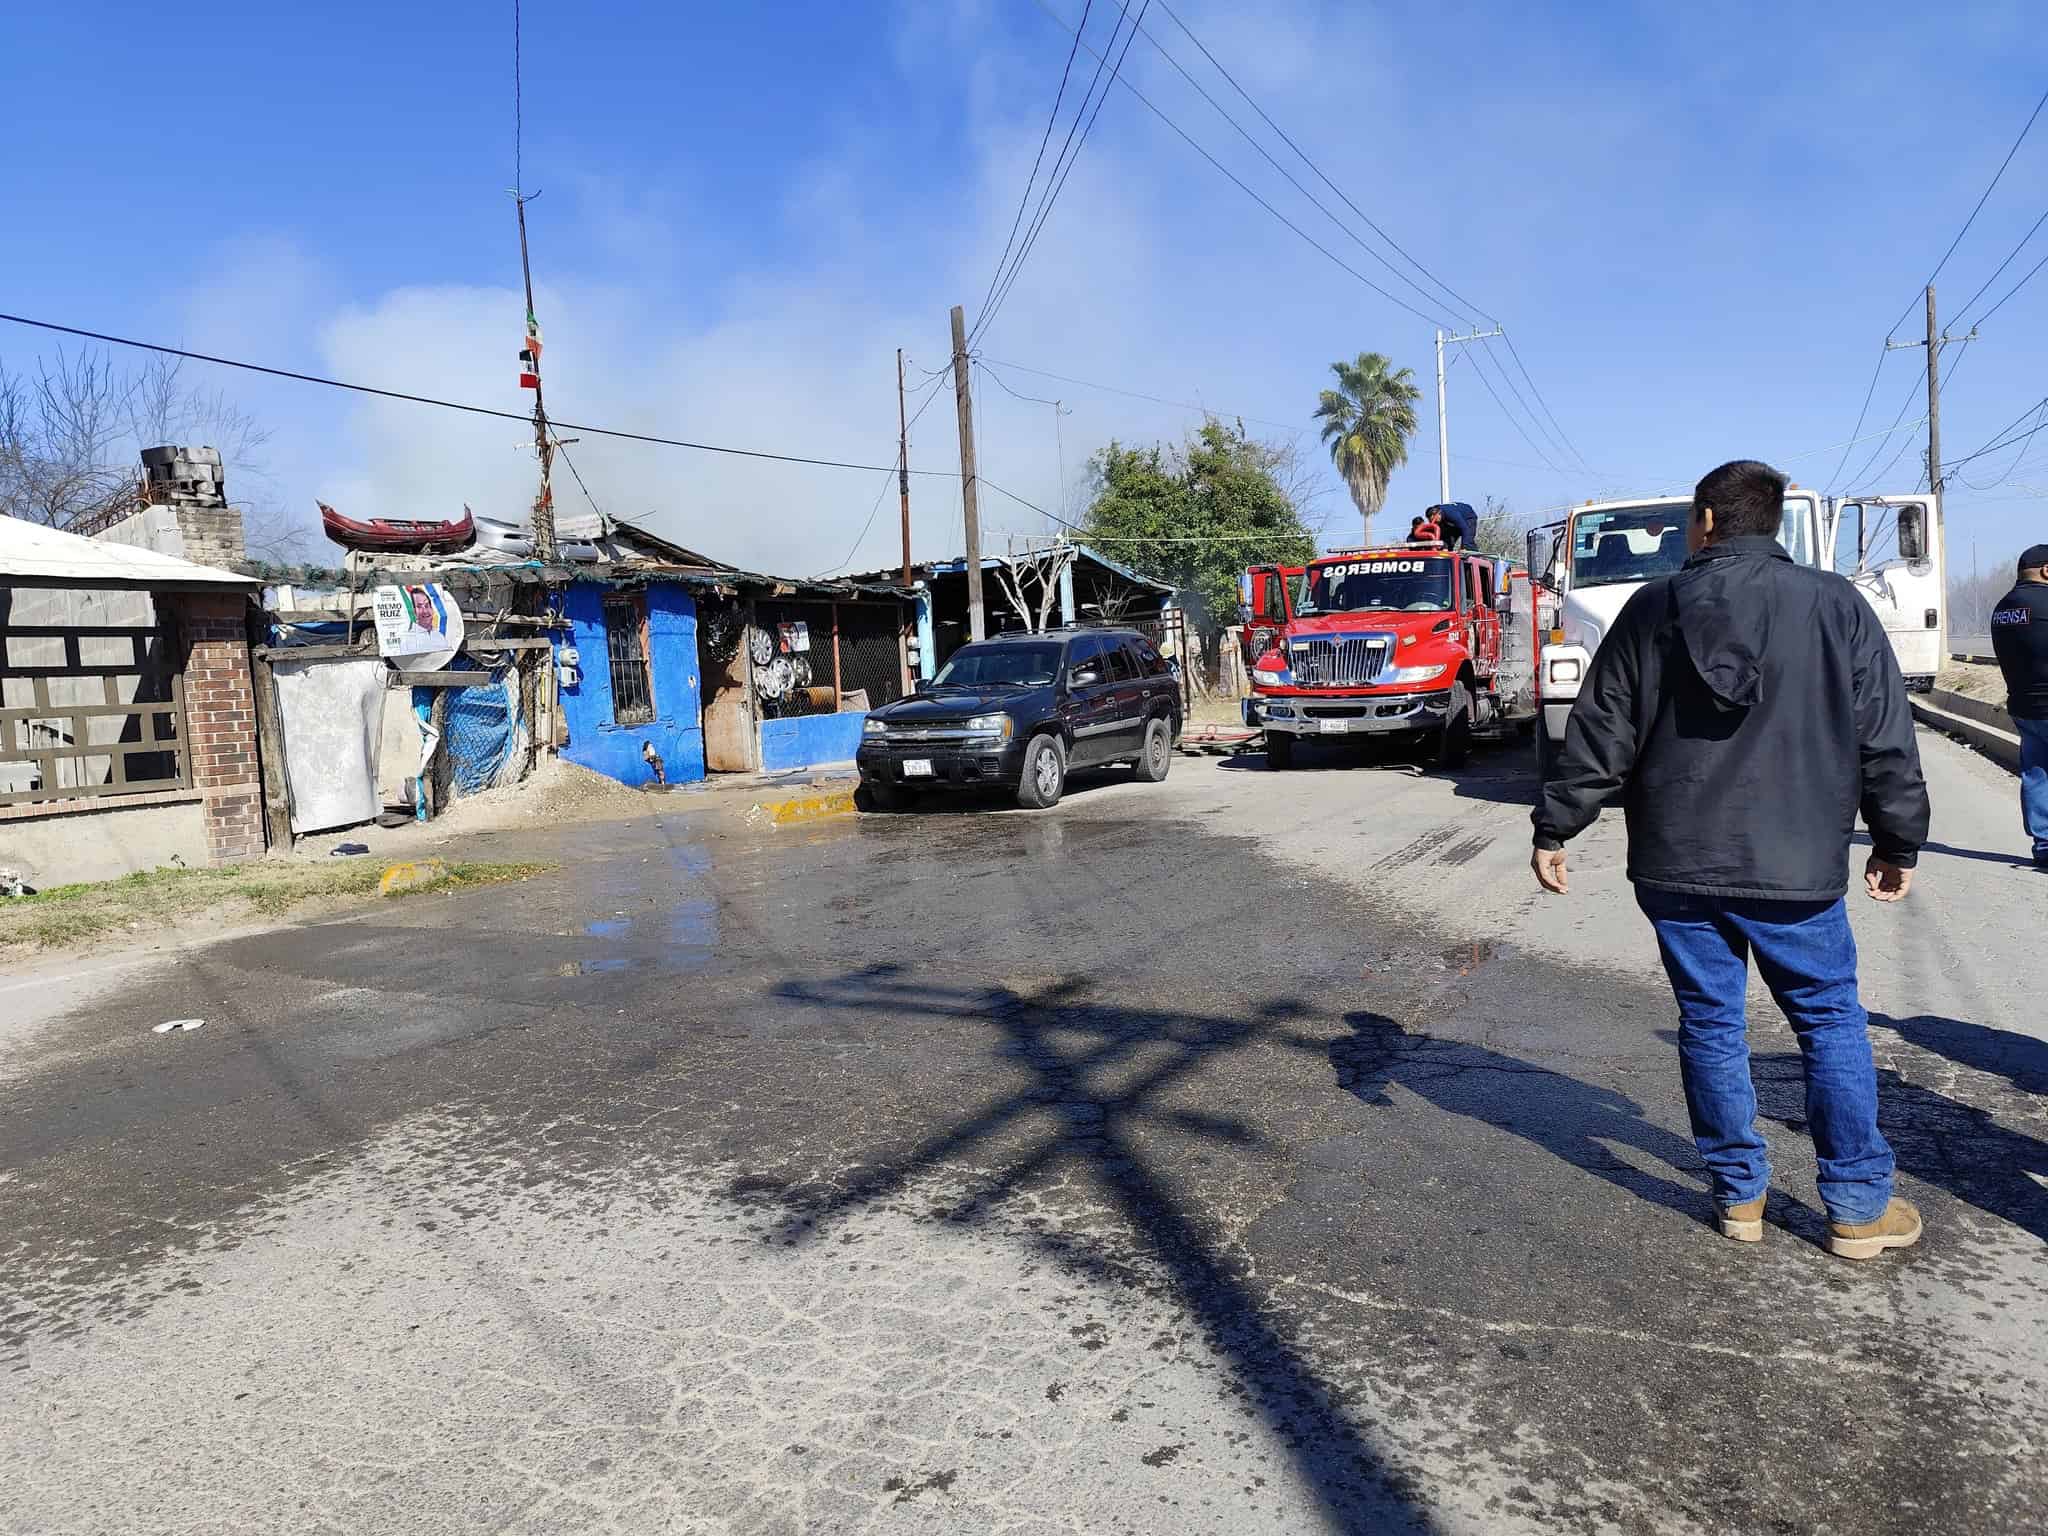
(73, 424)
(1037, 566)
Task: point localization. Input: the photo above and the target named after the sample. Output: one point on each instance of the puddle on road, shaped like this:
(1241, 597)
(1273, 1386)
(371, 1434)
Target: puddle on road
(663, 917)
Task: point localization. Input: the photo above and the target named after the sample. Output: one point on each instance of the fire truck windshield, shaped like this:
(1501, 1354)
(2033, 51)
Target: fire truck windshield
(1384, 585)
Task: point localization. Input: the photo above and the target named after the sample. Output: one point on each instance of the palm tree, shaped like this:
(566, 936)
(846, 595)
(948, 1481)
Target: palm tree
(1367, 421)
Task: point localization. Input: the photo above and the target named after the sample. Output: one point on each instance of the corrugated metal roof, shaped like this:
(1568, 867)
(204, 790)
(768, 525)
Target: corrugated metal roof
(32, 555)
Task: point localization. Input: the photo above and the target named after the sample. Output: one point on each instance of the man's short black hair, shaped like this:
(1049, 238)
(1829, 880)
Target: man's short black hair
(1748, 499)
(1417, 524)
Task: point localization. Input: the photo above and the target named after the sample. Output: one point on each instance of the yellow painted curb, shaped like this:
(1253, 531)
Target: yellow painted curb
(812, 807)
(412, 874)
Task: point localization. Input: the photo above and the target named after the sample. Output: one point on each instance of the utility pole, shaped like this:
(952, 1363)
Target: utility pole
(543, 444)
(903, 464)
(1933, 400)
(963, 401)
(1935, 341)
(1443, 436)
(1443, 431)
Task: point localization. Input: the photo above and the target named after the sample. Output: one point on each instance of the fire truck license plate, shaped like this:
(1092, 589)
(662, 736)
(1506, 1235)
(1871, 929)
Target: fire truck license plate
(917, 767)
(1338, 726)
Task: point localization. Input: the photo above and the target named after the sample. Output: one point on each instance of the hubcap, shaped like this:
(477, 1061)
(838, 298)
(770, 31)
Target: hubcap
(1048, 771)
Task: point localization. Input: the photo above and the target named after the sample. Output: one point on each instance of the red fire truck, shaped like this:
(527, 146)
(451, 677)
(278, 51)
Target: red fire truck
(1361, 642)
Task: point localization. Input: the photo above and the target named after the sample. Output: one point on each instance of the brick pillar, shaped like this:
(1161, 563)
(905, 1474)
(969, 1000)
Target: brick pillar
(220, 720)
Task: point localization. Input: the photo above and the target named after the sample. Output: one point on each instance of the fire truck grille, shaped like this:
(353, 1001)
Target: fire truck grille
(1350, 662)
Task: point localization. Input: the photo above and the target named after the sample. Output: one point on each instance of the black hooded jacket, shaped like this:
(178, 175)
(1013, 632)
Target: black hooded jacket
(1745, 709)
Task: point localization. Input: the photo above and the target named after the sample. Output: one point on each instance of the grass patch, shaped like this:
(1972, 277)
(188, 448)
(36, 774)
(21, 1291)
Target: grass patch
(74, 914)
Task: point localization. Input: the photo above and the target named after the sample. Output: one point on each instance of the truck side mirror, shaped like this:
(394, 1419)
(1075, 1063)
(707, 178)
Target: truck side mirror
(1913, 534)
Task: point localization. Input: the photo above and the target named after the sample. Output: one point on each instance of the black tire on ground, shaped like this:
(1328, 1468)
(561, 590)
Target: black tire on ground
(1155, 756)
(875, 796)
(1454, 737)
(1045, 773)
(1279, 751)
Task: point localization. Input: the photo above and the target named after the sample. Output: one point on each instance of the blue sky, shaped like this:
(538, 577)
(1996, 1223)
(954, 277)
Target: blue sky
(1696, 226)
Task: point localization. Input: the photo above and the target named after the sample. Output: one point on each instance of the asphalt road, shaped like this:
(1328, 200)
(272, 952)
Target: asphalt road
(1252, 1153)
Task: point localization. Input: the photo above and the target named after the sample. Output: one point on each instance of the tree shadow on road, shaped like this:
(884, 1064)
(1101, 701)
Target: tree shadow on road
(1941, 1140)
(1101, 1071)
(1574, 1121)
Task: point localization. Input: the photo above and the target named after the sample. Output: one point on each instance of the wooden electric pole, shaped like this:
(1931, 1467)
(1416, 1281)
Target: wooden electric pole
(903, 464)
(963, 400)
(543, 443)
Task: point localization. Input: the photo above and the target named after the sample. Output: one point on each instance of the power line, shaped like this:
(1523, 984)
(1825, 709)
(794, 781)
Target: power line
(1570, 446)
(861, 537)
(1051, 119)
(1981, 201)
(1486, 344)
(1534, 447)
(1863, 472)
(2015, 288)
(1265, 154)
(1027, 399)
(457, 405)
(1862, 416)
(1055, 187)
(1240, 184)
(1305, 160)
(2009, 256)
(1136, 394)
(2003, 438)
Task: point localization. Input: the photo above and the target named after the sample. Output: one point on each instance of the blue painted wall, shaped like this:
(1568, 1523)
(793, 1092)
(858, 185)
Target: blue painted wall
(809, 740)
(599, 742)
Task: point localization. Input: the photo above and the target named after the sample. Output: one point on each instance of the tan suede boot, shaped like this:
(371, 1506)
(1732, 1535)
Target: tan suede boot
(1898, 1227)
(1745, 1222)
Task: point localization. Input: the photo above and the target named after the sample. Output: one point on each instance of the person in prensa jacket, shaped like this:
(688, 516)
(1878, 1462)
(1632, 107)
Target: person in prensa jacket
(1745, 710)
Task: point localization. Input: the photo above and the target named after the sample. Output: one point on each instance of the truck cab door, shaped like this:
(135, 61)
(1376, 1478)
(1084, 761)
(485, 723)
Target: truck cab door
(1482, 600)
(1901, 568)
(1268, 607)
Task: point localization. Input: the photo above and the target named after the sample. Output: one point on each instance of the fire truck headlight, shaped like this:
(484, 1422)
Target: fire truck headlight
(1272, 677)
(1422, 674)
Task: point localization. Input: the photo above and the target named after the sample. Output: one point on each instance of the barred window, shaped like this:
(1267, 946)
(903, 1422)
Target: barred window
(625, 642)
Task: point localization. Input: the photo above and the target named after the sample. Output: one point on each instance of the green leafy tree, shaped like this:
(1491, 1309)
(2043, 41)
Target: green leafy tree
(1196, 515)
(1367, 421)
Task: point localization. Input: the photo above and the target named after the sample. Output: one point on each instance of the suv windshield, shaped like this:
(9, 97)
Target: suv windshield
(1627, 544)
(981, 666)
(1379, 586)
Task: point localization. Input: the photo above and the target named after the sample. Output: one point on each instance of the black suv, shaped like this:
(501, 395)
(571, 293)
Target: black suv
(1020, 710)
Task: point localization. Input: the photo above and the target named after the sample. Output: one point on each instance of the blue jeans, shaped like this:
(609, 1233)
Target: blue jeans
(1807, 957)
(2034, 784)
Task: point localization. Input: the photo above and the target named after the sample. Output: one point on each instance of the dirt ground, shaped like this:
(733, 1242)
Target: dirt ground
(165, 903)
(1973, 680)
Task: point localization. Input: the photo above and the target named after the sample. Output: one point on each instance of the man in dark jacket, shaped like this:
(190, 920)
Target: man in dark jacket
(1744, 710)
(2019, 636)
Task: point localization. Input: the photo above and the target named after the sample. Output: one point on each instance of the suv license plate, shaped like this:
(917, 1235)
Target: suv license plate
(917, 768)
(1339, 726)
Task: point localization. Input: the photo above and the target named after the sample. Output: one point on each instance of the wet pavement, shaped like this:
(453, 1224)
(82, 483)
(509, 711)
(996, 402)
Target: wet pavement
(1249, 1153)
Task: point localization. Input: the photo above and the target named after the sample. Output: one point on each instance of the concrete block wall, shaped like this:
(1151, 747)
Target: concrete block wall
(220, 721)
(212, 535)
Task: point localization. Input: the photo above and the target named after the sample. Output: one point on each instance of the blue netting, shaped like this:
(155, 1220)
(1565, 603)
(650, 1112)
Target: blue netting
(485, 740)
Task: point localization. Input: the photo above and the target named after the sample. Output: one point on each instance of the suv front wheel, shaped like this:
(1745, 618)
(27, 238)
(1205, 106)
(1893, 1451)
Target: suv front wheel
(1045, 773)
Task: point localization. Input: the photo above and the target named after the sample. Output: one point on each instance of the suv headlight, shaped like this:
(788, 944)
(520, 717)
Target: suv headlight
(991, 725)
(873, 727)
(1416, 674)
